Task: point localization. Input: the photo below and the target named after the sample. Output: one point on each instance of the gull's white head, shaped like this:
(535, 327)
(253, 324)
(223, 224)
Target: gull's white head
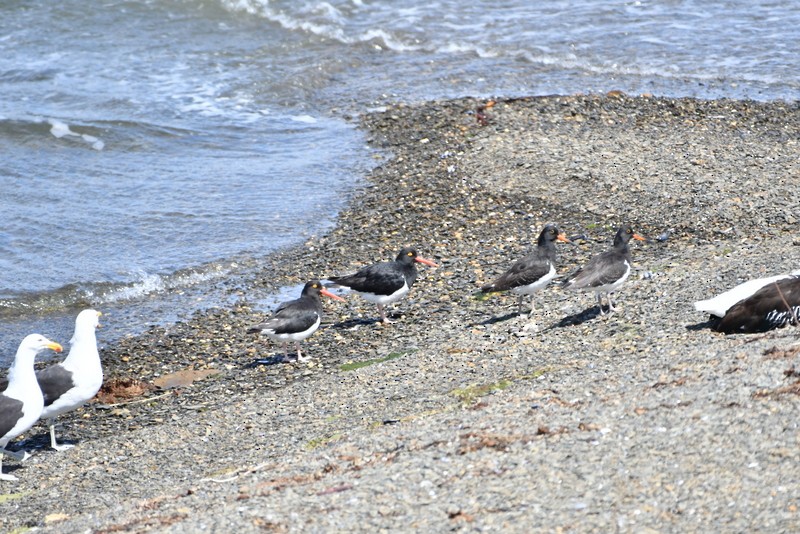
(33, 344)
(86, 323)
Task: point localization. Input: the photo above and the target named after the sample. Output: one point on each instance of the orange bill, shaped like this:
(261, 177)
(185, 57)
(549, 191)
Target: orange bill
(429, 263)
(327, 293)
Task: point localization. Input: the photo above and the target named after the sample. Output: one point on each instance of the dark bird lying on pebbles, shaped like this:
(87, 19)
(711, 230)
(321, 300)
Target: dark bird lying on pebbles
(606, 272)
(718, 306)
(384, 283)
(297, 319)
(21, 400)
(762, 306)
(69, 384)
(534, 271)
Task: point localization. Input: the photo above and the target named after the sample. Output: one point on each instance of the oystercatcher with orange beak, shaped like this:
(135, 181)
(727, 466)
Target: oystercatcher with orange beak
(384, 283)
(606, 272)
(297, 319)
(534, 271)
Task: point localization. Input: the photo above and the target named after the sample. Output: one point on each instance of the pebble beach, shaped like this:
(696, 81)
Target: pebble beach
(464, 415)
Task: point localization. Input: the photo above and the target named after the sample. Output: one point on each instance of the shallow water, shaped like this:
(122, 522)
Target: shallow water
(156, 149)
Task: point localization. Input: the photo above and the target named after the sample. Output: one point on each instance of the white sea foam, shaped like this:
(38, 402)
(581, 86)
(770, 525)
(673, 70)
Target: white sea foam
(147, 285)
(262, 8)
(96, 143)
(333, 28)
(329, 11)
(151, 283)
(61, 129)
(389, 41)
(467, 48)
(308, 119)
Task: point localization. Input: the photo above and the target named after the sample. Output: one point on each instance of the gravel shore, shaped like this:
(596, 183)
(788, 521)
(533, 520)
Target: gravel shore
(464, 415)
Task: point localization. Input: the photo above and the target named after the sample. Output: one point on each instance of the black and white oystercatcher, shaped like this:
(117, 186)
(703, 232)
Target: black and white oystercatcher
(21, 399)
(606, 272)
(297, 319)
(774, 305)
(534, 271)
(386, 282)
(69, 384)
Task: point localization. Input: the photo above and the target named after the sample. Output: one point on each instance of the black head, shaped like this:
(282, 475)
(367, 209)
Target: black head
(314, 288)
(624, 235)
(549, 234)
(408, 255)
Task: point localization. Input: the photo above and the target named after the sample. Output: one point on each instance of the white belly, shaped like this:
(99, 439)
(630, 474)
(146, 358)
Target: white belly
(385, 299)
(72, 399)
(296, 336)
(542, 282)
(610, 288)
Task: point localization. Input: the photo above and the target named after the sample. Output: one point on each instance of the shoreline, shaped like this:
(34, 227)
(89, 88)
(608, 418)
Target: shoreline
(464, 415)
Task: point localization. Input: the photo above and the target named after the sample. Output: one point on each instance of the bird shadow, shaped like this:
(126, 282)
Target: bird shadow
(270, 360)
(354, 323)
(38, 442)
(498, 319)
(710, 324)
(360, 321)
(578, 318)
(10, 468)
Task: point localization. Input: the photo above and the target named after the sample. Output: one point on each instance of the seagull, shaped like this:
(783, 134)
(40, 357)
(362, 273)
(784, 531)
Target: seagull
(606, 272)
(384, 283)
(21, 399)
(69, 384)
(774, 305)
(534, 271)
(718, 306)
(297, 319)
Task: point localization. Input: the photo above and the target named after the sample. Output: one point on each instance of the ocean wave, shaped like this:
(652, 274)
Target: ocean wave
(23, 75)
(479, 34)
(40, 128)
(96, 294)
(329, 23)
(263, 9)
(124, 135)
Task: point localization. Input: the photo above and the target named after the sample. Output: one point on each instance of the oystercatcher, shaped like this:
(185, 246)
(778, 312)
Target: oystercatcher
(774, 305)
(297, 319)
(534, 271)
(386, 282)
(67, 385)
(21, 399)
(606, 272)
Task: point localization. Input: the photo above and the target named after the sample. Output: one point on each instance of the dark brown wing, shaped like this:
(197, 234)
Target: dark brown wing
(526, 271)
(603, 269)
(773, 306)
(10, 413)
(54, 381)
